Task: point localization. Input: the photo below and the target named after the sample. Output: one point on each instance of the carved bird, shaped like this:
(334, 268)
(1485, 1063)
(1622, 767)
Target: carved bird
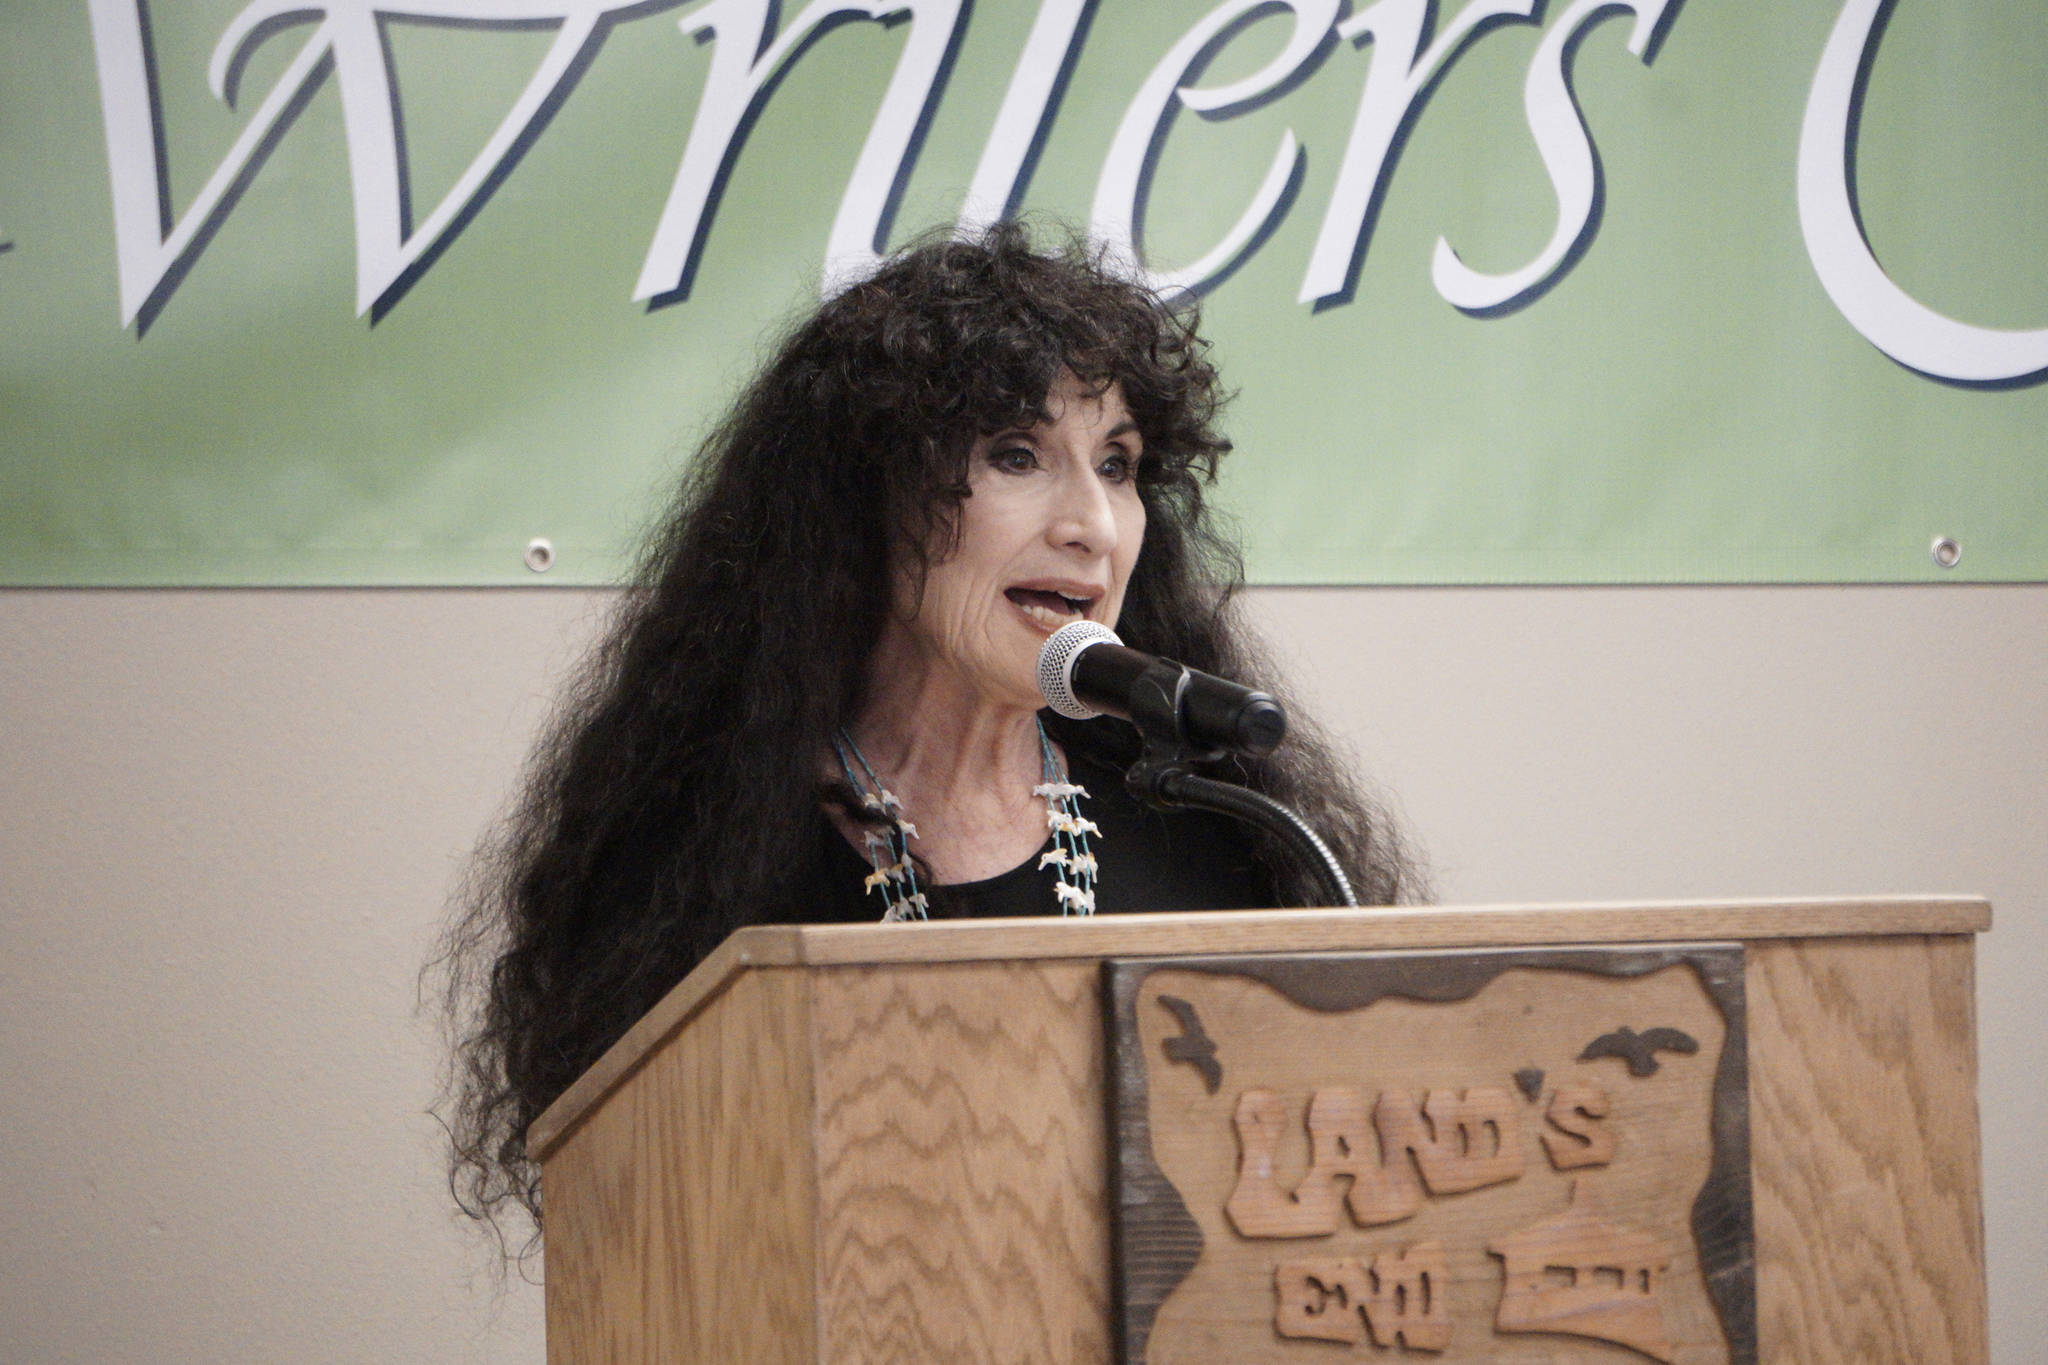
(1640, 1050)
(909, 908)
(894, 872)
(1194, 1045)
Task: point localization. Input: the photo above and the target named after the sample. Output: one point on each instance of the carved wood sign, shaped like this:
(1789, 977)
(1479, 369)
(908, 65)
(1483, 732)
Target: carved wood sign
(1536, 1157)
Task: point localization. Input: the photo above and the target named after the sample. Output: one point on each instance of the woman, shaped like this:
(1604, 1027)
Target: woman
(820, 704)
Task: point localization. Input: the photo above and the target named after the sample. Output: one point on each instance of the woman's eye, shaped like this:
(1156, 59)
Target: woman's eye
(1016, 459)
(1119, 468)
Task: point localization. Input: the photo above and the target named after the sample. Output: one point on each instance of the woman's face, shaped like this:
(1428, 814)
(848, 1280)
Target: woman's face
(1048, 534)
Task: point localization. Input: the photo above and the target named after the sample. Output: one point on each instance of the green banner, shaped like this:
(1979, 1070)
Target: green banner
(1511, 291)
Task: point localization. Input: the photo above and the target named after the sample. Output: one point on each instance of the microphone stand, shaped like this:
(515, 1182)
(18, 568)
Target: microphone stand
(1164, 779)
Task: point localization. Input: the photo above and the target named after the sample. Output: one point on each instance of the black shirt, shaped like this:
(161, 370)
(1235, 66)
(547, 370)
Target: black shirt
(1150, 860)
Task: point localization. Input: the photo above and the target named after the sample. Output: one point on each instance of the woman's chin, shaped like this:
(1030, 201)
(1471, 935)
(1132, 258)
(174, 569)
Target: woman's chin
(1015, 686)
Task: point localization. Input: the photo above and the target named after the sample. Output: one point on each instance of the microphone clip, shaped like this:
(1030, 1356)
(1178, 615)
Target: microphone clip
(1164, 779)
(1156, 702)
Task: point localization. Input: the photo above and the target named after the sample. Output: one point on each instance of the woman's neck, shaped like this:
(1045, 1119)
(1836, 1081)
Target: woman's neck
(962, 765)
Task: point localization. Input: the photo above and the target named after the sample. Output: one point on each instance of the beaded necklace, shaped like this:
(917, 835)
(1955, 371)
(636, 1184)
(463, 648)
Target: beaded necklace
(895, 872)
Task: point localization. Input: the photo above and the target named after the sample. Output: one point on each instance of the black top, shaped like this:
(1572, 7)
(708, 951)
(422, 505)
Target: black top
(1150, 860)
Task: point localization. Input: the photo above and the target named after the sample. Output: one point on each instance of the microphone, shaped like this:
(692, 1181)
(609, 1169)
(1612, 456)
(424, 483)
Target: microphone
(1084, 671)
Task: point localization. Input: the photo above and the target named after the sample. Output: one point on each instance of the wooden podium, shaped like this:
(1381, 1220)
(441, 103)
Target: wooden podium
(1001, 1141)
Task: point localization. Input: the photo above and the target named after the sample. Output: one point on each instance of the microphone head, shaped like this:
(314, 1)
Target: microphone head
(1056, 665)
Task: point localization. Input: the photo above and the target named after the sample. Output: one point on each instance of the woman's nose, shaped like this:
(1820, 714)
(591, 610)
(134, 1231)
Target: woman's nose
(1084, 519)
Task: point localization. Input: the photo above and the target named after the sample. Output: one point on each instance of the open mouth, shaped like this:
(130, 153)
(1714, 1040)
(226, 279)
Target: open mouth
(1050, 609)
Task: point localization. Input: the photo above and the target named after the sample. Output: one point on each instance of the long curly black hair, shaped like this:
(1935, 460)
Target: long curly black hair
(672, 799)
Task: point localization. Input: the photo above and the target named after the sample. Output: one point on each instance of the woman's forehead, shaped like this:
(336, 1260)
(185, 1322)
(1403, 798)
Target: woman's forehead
(1068, 394)
(1073, 396)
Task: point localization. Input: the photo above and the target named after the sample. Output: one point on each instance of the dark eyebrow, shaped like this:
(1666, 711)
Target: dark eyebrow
(1123, 429)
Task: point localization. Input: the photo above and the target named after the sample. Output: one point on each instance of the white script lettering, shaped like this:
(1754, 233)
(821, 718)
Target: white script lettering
(1399, 72)
(1567, 151)
(1120, 188)
(152, 251)
(740, 29)
(1888, 317)
(1019, 122)
(155, 245)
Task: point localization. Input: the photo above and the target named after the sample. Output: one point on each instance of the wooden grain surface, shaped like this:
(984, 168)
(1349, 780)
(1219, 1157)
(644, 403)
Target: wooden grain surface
(941, 1194)
(1863, 1113)
(961, 1164)
(1362, 930)
(1401, 1048)
(1264, 931)
(680, 1215)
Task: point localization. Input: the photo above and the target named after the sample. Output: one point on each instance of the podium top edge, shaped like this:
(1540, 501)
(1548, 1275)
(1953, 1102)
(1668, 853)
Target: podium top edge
(1222, 932)
(1337, 929)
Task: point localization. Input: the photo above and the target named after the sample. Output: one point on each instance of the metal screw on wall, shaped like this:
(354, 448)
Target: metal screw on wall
(1946, 552)
(540, 554)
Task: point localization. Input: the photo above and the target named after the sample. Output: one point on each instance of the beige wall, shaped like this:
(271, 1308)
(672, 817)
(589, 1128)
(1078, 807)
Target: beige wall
(231, 820)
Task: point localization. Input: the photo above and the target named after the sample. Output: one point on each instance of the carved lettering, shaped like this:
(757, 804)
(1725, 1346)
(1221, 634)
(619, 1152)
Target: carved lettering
(1576, 1136)
(1459, 1142)
(1321, 1300)
(1257, 1207)
(1403, 1297)
(1410, 1299)
(1342, 1146)
(1343, 1142)
(1469, 1141)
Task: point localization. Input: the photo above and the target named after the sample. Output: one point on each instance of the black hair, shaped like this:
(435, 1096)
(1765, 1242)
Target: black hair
(661, 809)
